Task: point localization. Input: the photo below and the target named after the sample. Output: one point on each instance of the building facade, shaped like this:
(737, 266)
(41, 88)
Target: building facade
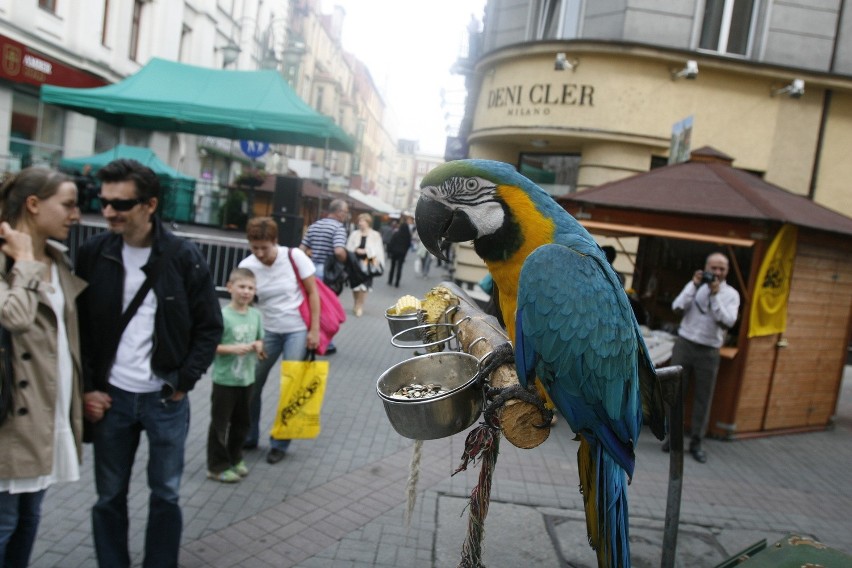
(577, 93)
(91, 43)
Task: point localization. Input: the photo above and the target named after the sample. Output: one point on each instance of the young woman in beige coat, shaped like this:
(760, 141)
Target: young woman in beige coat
(41, 436)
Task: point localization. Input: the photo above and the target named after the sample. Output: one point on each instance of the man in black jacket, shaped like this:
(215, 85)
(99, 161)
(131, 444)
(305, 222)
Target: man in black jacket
(137, 378)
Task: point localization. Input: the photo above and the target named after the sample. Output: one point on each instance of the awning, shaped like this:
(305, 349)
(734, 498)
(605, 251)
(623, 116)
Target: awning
(146, 156)
(175, 97)
(621, 230)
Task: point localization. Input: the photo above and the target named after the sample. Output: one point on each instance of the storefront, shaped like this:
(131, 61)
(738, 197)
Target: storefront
(609, 110)
(31, 132)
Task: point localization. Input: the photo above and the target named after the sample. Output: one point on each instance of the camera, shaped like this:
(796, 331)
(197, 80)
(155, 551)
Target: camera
(707, 277)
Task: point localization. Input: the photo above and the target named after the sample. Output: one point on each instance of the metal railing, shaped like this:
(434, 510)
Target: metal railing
(222, 254)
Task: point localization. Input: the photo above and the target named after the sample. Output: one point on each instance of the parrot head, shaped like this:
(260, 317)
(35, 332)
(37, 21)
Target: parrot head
(479, 201)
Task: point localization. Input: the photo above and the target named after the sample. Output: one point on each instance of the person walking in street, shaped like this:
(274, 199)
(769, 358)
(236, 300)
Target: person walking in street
(326, 238)
(285, 334)
(233, 380)
(367, 245)
(398, 247)
(137, 377)
(42, 432)
(709, 306)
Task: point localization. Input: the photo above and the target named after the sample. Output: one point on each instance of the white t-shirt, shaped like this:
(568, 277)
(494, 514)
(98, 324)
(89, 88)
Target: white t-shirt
(132, 368)
(278, 292)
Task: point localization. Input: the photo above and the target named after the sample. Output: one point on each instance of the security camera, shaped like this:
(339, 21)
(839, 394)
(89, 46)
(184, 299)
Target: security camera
(688, 72)
(563, 64)
(794, 90)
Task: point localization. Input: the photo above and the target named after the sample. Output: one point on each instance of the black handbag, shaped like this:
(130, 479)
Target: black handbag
(335, 274)
(374, 267)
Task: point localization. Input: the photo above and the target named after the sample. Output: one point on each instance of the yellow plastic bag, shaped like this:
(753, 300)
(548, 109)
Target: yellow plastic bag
(302, 391)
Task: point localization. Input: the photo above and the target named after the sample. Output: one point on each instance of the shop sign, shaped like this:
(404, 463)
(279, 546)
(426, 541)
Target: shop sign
(20, 64)
(540, 98)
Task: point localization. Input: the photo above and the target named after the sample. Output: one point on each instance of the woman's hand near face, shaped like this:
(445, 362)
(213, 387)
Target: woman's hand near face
(17, 244)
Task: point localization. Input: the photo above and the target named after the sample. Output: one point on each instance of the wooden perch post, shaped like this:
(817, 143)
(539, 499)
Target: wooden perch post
(517, 418)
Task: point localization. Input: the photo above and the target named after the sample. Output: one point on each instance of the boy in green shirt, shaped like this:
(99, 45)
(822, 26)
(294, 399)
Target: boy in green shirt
(233, 380)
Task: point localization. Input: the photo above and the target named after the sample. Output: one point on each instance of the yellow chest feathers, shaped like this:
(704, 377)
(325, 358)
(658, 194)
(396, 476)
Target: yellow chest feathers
(535, 230)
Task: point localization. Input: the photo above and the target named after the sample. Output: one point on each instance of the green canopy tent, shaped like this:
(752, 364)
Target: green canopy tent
(178, 188)
(174, 97)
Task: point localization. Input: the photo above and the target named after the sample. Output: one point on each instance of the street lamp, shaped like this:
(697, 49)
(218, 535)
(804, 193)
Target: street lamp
(230, 52)
(292, 58)
(268, 60)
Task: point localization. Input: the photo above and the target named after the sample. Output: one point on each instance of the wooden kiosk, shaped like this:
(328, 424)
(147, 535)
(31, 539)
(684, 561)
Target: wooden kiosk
(767, 385)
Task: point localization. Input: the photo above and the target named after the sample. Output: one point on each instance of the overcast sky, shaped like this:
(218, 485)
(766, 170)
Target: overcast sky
(409, 47)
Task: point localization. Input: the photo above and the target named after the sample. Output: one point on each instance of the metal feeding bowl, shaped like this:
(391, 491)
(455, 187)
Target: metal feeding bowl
(400, 323)
(435, 416)
(423, 336)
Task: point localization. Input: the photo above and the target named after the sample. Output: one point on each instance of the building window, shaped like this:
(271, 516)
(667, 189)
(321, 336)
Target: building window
(36, 132)
(320, 93)
(134, 30)
(185, 35)
(726, 27)
(557, 19)
(49, 5)
(104, 27)
(554, 173)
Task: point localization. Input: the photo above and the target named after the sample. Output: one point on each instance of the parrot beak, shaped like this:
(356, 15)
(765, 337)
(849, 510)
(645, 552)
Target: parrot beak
(437, 223)
(432, 219)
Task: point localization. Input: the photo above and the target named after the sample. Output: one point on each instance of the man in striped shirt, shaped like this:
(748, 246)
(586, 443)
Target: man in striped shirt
(325, 238)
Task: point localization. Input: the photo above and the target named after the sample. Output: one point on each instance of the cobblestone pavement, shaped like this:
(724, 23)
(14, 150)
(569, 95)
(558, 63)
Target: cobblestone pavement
(339, 499)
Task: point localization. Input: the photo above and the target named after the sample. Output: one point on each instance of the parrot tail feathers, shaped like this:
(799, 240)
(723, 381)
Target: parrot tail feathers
(603, 484)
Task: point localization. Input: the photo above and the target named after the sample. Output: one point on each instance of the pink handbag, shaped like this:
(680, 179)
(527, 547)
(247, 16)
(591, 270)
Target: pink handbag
(332, 313)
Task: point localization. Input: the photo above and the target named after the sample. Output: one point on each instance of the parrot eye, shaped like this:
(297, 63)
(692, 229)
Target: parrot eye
(471, 184)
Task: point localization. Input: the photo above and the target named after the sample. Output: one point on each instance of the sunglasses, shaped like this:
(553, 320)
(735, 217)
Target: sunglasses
(121, 204)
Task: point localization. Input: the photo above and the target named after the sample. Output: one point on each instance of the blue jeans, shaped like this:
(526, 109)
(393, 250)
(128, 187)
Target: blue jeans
(19, 517)
(116, 438)
(320, 271)
(292, 346)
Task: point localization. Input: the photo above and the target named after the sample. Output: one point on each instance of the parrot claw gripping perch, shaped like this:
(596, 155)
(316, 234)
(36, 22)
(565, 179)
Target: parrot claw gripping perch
(498, 397)
(501, 355)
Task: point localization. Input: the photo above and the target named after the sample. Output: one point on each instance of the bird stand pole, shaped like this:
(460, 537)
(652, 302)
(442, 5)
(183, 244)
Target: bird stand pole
(519, 420)
(671, 379)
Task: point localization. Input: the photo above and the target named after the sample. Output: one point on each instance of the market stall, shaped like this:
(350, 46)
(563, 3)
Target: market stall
(768, 383)
(178, 188)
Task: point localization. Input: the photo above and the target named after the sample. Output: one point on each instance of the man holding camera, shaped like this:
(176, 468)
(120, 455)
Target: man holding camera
(709, 309)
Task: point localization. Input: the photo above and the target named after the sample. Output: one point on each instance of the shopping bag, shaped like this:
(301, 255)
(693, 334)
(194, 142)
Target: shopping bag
(332, 313)
(302, 391)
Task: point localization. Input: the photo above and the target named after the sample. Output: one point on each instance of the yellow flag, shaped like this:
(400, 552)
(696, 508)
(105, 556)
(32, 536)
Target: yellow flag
(769, 305)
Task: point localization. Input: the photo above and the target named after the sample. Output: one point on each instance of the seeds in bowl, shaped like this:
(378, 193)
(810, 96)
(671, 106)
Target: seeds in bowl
(417, 391)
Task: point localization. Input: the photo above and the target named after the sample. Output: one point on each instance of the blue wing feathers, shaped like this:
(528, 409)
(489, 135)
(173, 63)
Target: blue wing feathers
(573, 327)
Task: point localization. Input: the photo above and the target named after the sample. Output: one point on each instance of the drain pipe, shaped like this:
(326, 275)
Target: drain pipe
(826, 106)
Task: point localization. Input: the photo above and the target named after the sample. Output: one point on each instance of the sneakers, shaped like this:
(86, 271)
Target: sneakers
(241, 469)
(227, 476)
(274, 456)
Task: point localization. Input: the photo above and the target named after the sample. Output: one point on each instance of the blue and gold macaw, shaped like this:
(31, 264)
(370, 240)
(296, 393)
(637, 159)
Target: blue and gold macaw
(569, 319)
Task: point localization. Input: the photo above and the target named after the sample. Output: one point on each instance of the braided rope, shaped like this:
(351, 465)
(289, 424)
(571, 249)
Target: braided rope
(483, 444)
(413, 478)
